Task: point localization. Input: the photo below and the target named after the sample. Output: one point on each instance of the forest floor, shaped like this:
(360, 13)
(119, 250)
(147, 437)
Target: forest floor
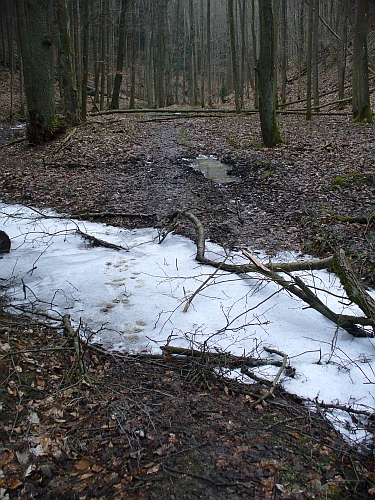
(165, 428)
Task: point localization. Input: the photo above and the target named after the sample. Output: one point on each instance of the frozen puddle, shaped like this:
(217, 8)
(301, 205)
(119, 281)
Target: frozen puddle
(213, 169)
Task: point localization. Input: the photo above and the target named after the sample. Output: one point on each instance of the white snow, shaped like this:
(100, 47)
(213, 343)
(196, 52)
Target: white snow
(133, 300)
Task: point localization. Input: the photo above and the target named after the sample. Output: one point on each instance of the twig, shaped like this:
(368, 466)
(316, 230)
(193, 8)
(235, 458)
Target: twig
(74, 335)
(190, 299)
(276, 379)
(348, 409)
(64, 142)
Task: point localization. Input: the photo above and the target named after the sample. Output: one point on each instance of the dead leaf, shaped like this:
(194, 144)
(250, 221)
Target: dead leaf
(82, 465)
(153, 469)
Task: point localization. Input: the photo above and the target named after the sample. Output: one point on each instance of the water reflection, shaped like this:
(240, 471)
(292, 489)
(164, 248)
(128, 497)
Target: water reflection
(213, 169)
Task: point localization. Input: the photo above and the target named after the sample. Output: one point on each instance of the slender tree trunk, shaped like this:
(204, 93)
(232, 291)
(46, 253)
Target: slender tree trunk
(104, 58)
(341, 65)
(193, 59)
(133, 60)
(361, 97)
(85, 58)
(315, 55)
(148, 54)
(66, 64)
(203, 57)
(209, 65)
(178, 54)
(284, 49)
(309, 61)
(276, 17)
(255, 56)
(75, 33)
(120, 55)
(233, 47)
(270, 131)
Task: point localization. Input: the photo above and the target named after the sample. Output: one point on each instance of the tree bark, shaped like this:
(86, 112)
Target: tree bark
(233, 47)
(66, 65)
(120, 55)
(267, 109)
(361, 97)
(36, 48)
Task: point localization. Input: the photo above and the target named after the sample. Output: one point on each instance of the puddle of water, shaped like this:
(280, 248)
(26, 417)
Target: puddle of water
(213, 169)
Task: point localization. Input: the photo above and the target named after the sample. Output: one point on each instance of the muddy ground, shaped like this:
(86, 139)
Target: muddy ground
(166, 428)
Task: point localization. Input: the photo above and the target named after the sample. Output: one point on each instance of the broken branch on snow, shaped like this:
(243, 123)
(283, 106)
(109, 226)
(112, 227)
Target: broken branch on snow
(295, 286)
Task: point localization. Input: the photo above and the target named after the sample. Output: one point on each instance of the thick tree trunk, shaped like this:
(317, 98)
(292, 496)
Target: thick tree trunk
(270, 131)
(36, 48)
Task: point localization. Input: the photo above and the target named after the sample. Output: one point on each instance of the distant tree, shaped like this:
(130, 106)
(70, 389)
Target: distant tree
(361, 96)
(36, 48)
(266, 68)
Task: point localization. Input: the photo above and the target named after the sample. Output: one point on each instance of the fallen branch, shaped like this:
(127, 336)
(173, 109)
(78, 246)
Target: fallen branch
(225, 359)
(64, 142)
(296, 286)
(348, 409)
(101, 215)
(97, 242)
(15, 141)
(240, 268)
(301, 290)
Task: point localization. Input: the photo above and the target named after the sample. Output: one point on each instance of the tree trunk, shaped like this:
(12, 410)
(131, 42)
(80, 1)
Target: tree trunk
(284, 49)
(309, 61)
(193, 59)
(255, 56)
(208, 66)
(361, 97)
(270, 131)
(233, 47)
(341, 65)
(66, 65)
(133, 59)
(36, 48)
(120, 55)
(85, 59)
(315, 58)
